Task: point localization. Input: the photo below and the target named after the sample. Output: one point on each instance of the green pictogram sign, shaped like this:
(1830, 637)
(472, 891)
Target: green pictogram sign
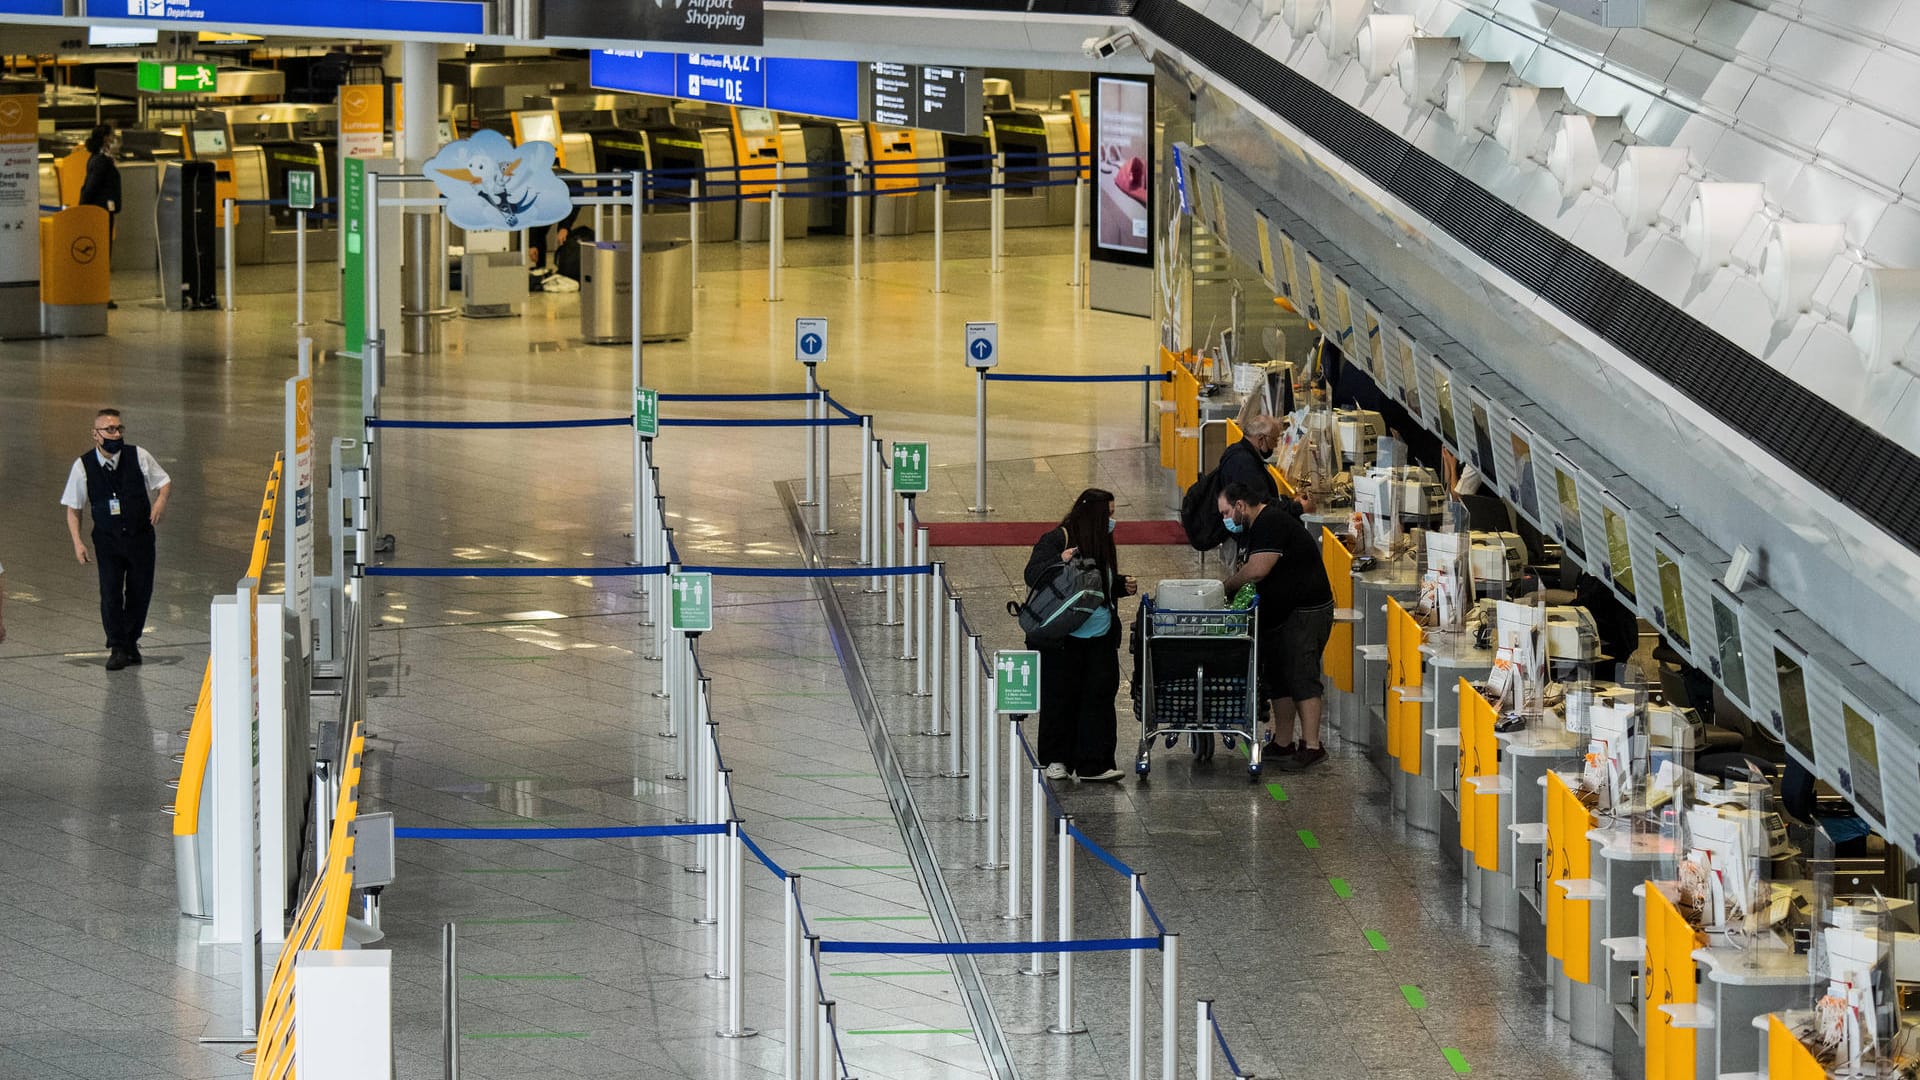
(168, 77)
(646, 412)
(692, 603)
(1016, 682)
(300, 189)
(909, 467)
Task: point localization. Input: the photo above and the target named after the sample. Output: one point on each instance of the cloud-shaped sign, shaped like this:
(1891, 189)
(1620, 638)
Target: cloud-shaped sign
(491, 184)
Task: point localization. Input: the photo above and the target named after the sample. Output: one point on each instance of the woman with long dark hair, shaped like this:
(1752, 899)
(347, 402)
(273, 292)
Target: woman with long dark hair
(1080, 674)
(101, 186)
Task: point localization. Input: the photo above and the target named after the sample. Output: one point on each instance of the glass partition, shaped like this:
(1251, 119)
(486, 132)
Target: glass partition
(1673, 599)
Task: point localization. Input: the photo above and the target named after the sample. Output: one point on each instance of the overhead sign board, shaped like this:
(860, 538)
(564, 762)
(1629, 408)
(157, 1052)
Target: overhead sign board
(810, 340)
(909, 468)
(982, 344)
(942, 98)
(465, 17)
(700, 22)
(692, 607)
(1016, 682)
(176, 77)
(938, 98)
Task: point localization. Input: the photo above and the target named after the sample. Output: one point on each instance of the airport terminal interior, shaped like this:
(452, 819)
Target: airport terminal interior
(581, 614)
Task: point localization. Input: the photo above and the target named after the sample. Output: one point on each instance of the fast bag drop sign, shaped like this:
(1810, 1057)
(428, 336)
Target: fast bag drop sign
(704, 22)
(491, 184)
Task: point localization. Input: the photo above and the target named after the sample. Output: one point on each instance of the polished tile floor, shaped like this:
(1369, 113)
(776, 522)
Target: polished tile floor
(531, 700)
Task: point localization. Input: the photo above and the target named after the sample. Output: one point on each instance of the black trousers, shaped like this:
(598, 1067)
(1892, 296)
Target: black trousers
(1078, 680)
(126, 584)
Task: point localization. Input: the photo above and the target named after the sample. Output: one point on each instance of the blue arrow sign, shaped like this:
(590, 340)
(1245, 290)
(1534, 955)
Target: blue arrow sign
(981, 348)
(810, 343)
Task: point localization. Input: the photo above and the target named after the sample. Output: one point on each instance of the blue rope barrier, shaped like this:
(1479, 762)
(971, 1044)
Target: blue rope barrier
(1000, 376)
(1152, 914)
(772, 867)
(812, 572)
(988, 948)
(648, 571)
(500, 425)
(1099, 852)
(828, 422)
(1221, 1038)
(280, 202)
(842, 409)
(612, 832)
(737, 397)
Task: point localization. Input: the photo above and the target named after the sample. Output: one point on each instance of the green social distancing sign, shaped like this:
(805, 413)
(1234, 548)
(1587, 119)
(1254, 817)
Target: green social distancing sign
(909, 467)
(300, 194)
(1016, 681)
(646, 412)
(692, 603)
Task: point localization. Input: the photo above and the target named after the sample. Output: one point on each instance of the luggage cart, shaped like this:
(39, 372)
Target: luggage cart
(1199, 677)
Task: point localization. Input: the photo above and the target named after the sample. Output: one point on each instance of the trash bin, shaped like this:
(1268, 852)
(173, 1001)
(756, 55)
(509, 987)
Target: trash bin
(606, 292)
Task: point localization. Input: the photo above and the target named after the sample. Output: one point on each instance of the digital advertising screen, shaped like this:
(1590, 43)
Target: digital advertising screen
(1123, 169)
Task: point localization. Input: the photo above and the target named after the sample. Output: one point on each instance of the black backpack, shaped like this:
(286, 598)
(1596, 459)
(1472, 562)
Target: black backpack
(1063, 601)
(1200, 512)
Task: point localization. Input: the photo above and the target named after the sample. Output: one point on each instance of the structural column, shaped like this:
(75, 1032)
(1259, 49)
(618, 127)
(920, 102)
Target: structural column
(424, 245)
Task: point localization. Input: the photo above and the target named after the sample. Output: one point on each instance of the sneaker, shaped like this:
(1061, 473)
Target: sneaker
(1107, 777)
(116, 659)
(133, 655)
(1303, 758)
(559, 283)
(1274, 751)
(1057, 771)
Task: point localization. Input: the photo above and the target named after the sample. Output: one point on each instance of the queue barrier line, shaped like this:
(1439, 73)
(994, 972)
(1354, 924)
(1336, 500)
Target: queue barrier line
(723, 423)
(989, 948)
(1151, 913)
(864, 193)
(595, 832)
(1220, 1037)
(1002, 376)
(738, 397)
(1099, 852)
(499, 425)
(329, 201)
(1053, 799)
(648, 571)
(766, 860)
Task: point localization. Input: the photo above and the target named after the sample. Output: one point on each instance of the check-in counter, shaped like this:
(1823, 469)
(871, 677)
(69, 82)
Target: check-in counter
(1623, 860)
(1527, 757)
(1338, 660)
(1434, 797)
(1740, 987)
(1372, 589)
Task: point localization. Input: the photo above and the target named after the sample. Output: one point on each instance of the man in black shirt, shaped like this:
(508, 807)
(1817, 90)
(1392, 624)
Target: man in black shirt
(1295, 616)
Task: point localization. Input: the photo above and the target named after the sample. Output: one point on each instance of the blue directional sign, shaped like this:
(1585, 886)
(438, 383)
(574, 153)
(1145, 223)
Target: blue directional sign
(829, 88)
(810, 340)
(430, 16)
(983, 344)
(721, 77)
(32, 7)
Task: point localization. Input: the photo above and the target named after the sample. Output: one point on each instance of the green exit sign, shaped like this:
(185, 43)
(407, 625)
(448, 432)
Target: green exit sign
(910, 467)
(1016, 682)
(171, 77)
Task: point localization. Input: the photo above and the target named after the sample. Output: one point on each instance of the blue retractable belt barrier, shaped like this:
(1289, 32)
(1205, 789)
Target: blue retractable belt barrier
(985, 948)
(648, 571)
(612, 832)
(1152, 914)
(766, 861)
(737, 397)
(827, 422)
(1007, 376)
(1099, 852)
(1221, 1038)
(501, 425)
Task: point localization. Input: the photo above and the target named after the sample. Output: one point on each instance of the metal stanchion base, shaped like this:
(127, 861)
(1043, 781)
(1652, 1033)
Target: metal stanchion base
(1046, 974)
(961, 775)
(1009, 918)
(1055, 1029)
(677, 776)
(233, 1040)
(743, 1033)
(979, 509)
(931, 734)
(830, 532)
(716, 976)
(986, 865)
(918, 693)
(808, 502)
(973, 819)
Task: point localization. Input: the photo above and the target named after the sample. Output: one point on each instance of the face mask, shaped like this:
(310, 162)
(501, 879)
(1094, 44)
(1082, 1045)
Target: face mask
(112, 446)
(1268, 456)
(1110, 524)
(1233, 526)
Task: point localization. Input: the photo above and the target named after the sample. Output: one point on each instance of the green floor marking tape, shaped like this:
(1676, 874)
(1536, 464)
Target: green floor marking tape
(1279, 793)
(1307, 838)
(1415, 999)
(531, 921)
(901, 866)
(881, 974)
(1458, 1060)
(525, 978)
(526, 1034)
(518, 870)
(1340, 888)
(874, 918)
(911, 1031)
(1376, 941)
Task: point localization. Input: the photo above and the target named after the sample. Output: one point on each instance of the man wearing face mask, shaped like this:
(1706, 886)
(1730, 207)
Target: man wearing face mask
(128, 495)
(1295, 617)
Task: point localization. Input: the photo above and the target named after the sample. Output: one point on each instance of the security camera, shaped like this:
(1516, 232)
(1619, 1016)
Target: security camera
(1102, 48)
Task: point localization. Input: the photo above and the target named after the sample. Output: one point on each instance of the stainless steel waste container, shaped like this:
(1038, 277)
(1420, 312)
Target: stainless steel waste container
(606, 292)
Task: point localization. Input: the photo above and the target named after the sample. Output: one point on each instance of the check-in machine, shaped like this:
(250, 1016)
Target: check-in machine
(678, 153)
(209, 138)
(821, 142)
(893, 151)
(760, 143)
(269, 142)
(1031, 139)
(185, 217)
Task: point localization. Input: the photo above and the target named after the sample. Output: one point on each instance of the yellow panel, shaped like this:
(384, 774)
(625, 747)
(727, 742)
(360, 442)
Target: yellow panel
(73, 257)
(1670, 981)
(1479, 757)
(1338, 561)
(193, 764)
(1413, 678)
(1553, 858)
(1787, 1057)
(1578, 939)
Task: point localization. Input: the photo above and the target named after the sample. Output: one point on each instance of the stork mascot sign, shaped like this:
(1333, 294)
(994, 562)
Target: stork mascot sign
(491, 184)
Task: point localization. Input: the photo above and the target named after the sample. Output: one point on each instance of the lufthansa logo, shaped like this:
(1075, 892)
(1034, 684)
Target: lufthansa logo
(83, 250)
(9, 114)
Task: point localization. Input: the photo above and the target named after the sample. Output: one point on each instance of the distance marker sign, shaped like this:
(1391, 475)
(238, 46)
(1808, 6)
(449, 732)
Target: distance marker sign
(1016, 682)
(909, 468)
(692, 607)
(810, 340)
(646, 412)
(982, 344)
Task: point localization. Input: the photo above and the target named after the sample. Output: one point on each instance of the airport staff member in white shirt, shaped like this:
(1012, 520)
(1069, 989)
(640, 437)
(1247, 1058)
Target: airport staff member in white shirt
(127, 503)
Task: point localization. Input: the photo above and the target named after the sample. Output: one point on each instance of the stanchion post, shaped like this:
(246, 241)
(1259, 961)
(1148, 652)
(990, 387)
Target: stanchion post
(227, 220)
(812, 401)
(1079, 221)
(693, 231)
(1015, 783)
(300, 269)
(883, 544)
(1037, 870)
(956, 765)
(933, 652)
(1066, 1023)
(450, 1001)
(1169, 1006)
(1146, 403)
(859, 209)
(997, 207)
(939, 236)
(980, 443)
(828, 1016)
(824, 433)
(1202, 1052)
(736, 936)
(866, 491)
(1136, 981)
(922, 602)
(971, 768)
(908, 582)
(774, 229)
(794, 958)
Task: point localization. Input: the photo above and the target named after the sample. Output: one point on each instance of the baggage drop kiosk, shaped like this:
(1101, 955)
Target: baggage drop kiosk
(681, 154)
(898, 214)
(828, 143)
(969, 196)
(1030, 139)
(762, 145)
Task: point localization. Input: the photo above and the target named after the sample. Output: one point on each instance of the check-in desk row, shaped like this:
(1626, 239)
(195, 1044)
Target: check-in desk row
(1629, 975)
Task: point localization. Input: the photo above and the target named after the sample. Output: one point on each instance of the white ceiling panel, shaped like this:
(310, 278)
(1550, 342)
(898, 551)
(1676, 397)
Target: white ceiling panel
(1819, 56)
(1575, 30)
(1904, 27)
(1662, 264)
(1895, 241)
(1867, 16)
(1867, 142)
(1744, 317)
(1822, 196)
(1660, 122)
(1677, 18)
(1786, 111)
(1645, 52)
(1693, 73)
(1739, 28)
(1890, 80)
(1497, 43)
(1728, 88)
(1699, 135)
(1830, 365)
(1739, 157)
(1551, 67)
(1903, 420)
(1604, 95)
(1526, 13)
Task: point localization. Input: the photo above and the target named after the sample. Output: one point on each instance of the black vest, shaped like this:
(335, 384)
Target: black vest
(126, 481)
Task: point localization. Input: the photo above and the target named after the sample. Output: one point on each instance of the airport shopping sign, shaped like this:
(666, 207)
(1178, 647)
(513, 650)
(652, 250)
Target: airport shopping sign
(466, 17)
(701, 22)
(835, 89)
